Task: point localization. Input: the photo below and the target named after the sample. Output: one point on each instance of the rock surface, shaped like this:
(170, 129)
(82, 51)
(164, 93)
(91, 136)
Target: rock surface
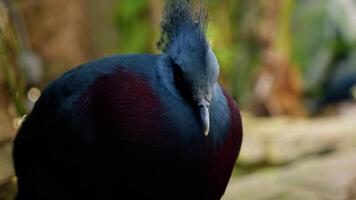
(6, 168)
(329, 177)
(283, 140)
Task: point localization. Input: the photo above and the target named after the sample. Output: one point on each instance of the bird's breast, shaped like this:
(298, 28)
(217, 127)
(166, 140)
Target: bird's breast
(145, 133)
(134, 110)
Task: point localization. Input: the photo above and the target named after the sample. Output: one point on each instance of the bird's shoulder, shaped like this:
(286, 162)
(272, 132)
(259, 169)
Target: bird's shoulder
(65, 91)
(228, 148)
(226, 125)
(234, 132)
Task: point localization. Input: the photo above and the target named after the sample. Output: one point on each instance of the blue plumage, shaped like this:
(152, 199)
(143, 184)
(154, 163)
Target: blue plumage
(134, 126)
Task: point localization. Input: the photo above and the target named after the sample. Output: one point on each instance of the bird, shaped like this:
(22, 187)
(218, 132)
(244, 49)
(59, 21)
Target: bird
(337, 88)
(135, 126)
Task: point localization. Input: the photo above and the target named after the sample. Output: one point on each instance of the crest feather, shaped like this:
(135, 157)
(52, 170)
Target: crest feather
(180, 16)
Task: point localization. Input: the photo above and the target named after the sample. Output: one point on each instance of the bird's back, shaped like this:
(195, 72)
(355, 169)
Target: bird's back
(56, 147)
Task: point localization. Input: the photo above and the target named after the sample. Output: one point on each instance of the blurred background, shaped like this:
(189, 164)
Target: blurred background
(291, 66)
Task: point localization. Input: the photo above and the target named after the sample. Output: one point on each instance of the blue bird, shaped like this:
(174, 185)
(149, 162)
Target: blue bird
(135, 126)
(338, 88)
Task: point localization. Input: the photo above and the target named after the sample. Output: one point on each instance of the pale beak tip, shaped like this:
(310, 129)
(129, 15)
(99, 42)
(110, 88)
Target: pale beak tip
(204, 115)
(206, 132)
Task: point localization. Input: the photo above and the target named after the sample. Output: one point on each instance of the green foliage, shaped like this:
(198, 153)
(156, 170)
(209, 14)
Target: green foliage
(308, 35)
(133, 24)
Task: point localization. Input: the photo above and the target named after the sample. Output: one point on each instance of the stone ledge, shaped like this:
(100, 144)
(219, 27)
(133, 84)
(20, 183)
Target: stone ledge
(283, 140)
(6, 165)
(329, 177)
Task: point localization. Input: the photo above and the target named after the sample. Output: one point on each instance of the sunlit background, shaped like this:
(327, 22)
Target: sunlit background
(290, 65)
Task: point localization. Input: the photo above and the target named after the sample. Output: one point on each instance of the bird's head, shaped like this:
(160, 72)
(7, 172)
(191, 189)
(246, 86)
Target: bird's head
(192, 63)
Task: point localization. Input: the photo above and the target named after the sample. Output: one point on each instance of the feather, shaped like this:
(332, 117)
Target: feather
(180, 16)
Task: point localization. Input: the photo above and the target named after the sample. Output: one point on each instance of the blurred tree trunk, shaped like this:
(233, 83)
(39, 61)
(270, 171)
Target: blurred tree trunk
(278, 90)
(156, 7)
(59, 33)
(12, 81)
(11, 97)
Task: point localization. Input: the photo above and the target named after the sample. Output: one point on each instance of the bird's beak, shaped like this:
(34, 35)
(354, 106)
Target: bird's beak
(204, 115)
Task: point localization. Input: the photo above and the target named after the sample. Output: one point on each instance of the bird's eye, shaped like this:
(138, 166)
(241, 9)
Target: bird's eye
(177, 73)
(180, 81)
